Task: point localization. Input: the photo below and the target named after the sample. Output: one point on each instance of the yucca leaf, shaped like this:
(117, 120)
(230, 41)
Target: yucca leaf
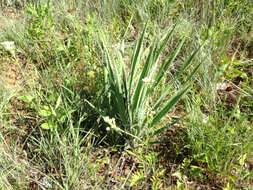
(166, 64)
(159, 131)
(124, 81)
(164, 42)
(142, 126)
(166, 91)
(145, 93)
(142, 101)
(193, 72)
(123, 73)
(120, 105)
(162, 97)
(136, 96)
(116, 91)
(128, 26)
(171, 102)
(187, 63)
(134, 60)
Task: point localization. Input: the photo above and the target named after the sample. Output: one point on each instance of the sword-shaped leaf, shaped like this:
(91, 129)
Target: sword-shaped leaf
(171, 102)
(166, 64)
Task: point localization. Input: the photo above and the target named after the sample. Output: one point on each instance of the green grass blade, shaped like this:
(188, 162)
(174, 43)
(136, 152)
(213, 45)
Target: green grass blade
(96, 109)
(171, 102)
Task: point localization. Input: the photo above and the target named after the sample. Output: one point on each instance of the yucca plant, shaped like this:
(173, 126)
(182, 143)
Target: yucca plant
(126, 98)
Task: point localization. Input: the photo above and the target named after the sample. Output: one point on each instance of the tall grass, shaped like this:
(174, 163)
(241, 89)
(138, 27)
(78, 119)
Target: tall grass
(12, 167)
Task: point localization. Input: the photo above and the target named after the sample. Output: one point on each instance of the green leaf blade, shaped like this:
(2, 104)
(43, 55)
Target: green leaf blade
(171, 102)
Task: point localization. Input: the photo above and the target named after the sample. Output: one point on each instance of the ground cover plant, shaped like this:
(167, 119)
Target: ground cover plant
(120, 94)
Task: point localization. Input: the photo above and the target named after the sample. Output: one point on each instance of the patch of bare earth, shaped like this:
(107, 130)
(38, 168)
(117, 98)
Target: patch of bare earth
(18, 78)
(10, 13)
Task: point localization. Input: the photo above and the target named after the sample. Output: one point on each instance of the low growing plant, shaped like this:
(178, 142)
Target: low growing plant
(126, 98)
